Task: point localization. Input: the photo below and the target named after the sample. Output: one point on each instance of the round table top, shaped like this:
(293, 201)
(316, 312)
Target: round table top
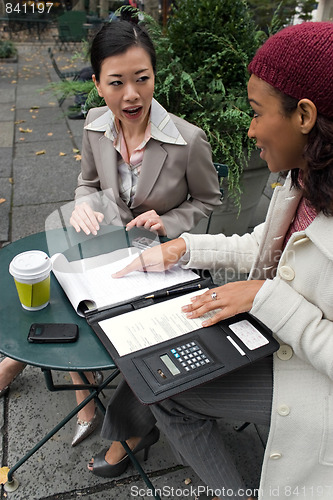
(87, 353)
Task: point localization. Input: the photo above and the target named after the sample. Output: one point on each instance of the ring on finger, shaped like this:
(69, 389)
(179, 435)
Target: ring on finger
(214, 296)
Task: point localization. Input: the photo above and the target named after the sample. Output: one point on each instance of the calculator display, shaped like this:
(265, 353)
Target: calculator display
(169, 364)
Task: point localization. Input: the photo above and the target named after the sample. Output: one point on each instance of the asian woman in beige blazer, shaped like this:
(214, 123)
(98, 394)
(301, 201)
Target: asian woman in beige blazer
(177, 180)
(155, 169)
(140, 165)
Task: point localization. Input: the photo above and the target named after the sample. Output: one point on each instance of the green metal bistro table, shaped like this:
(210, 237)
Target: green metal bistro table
(87, 353)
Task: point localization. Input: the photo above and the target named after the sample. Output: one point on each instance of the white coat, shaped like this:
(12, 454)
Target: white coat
(296, 303)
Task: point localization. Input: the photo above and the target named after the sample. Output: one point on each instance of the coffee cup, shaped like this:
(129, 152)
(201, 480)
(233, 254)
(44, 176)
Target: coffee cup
(31, 272)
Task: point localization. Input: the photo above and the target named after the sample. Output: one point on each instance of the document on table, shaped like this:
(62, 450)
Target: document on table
(151, 325)
(90, 280)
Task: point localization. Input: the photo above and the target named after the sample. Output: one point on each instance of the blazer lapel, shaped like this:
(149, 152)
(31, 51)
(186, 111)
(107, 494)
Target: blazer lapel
(153, 160)
(110, 172)
(109, 162)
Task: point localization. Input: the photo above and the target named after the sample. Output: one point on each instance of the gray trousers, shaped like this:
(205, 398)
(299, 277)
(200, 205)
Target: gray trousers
(189, 420)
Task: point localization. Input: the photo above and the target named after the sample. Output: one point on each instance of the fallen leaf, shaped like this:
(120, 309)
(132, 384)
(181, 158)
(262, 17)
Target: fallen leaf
(4, 474)
(11, 180)
(42, 152)
(14, 81)
(25, 130)
(77, 157)
(34, 107)
(76, 150)
(19, 121)
(62, 154)
(34, 116)
(50, 134)
(2, 200)
(188, 480)
(22, 138)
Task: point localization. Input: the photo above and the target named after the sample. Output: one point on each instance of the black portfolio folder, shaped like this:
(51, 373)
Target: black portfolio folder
(168, 368)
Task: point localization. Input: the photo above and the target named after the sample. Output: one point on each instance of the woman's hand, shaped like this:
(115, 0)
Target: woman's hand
(232, 298)
(156, 259)
(149, 220)
(85, 218)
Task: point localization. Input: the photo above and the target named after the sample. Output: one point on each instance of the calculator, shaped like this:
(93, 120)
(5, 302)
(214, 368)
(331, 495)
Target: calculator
(189, 356)
(176, 361)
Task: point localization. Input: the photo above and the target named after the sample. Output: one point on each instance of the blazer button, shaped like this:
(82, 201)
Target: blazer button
(285, 352)
(287, 273)
(283, 410)
(275, 456)
(303, 239)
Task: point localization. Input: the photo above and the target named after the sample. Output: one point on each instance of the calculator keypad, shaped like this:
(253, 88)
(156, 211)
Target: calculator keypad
(190, 356)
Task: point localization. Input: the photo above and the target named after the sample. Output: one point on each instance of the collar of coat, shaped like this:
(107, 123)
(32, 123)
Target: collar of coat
(320, 231)
(162, 126)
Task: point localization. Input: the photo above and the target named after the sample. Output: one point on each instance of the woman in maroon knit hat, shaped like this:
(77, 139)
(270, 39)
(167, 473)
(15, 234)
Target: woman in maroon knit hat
(289, 260)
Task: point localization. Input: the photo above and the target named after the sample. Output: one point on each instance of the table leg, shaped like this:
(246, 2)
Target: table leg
(140, 470)
(94, 391)
(129, 452)
(75, 387)
(92, 395)
(97, 400)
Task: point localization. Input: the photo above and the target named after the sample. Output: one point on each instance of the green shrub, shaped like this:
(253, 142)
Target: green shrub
(7, 49)
(202, 74)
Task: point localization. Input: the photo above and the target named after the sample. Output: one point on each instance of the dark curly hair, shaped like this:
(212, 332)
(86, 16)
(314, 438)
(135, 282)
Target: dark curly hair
(317, 178)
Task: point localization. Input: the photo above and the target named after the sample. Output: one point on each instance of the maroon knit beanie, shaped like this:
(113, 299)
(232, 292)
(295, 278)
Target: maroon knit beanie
(298, 61)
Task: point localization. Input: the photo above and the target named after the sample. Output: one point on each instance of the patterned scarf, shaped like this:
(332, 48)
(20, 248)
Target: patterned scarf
(305, 214)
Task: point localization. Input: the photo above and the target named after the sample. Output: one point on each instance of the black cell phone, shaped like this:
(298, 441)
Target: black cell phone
(41, 333)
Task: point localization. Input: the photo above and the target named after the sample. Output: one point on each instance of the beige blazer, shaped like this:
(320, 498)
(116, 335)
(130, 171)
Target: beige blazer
(178, 181)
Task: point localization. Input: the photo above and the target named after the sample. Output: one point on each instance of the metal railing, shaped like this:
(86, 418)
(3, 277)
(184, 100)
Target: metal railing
(21, 29)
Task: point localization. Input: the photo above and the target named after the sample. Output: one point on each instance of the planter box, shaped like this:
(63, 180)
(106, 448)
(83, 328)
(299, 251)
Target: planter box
(225, 219)
(8, 60)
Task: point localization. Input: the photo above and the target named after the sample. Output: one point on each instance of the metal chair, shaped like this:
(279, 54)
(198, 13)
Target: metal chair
(71, 29)
(222, 172)
(63, 75)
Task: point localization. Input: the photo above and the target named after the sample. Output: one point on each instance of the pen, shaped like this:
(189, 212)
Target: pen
(174, 291)
(106, 313)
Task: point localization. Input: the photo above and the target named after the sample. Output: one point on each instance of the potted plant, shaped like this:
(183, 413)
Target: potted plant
(8, 51)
